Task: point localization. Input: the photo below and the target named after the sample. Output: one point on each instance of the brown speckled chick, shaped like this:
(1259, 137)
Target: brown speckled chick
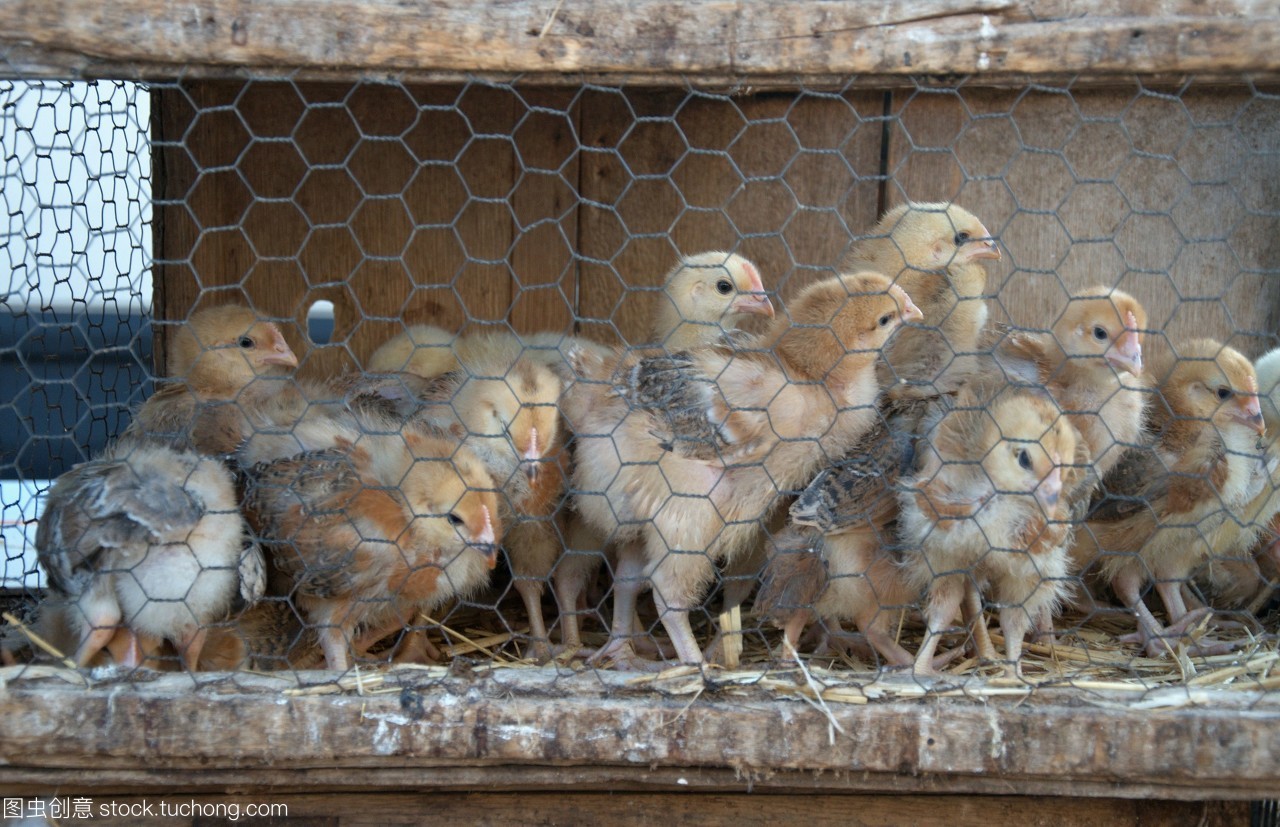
(372, 523)
(1160, 506)
(704, 298)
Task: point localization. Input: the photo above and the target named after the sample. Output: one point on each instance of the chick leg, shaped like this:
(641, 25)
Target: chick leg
(126, 649)
(1015, 622)
(874, 623)
(628, 582)
(416, 647)
(190, 645)
(1170, 592)
(945, 597)
(333, 642)
(792, 630)
(977, 622)
(1044, 627)
(574, 570)
(674, 604)
(1128, 585)
(100, 631)
(532, 546)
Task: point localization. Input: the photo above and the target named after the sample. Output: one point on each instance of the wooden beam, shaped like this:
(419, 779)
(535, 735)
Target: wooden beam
(702, 39)
(533, 726)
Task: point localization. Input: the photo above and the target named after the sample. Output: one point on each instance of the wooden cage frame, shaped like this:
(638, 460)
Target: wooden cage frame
(547, 730)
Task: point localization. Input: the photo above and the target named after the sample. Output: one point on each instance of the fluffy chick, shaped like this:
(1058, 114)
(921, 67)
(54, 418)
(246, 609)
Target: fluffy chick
(1161, 505)
(984, 510)
(151, 539)
(936, 252)
(1091, 362)
(837, 577)
(216, 361)
(802, 391)
(503, 405)
(372, 522)
(1234, 578)
(704, 298)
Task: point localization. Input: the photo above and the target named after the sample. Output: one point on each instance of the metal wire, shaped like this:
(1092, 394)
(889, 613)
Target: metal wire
(494, 208)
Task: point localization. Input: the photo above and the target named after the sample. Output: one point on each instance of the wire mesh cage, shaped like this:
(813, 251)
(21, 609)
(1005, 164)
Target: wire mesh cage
(646, 396)
(487, 316)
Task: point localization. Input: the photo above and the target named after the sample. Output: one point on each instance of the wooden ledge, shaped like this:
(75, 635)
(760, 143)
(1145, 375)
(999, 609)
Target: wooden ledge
(549, 729)
(698, 39)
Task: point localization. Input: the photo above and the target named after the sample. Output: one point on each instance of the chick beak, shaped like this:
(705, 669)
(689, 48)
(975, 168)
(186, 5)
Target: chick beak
(280, 353)
(910, 313)
(486, 538)
(753, 300)
(1249, 410)
(1050, 489)
(532, 457)
(984, 246)
(1126, 352)
(752, 304)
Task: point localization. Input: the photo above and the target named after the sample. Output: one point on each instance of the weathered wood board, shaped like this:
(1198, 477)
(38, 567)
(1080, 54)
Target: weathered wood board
(711, 39)
(531, 728)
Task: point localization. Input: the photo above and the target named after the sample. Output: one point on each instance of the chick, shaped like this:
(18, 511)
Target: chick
(372, 521)
(216, 360)
(849, 576)
(270, 635)
(150, 539)
(1160, 506)
(800, 392)
(936, 252)
(1233, 577)
(503, 404)
(984, 510)
(1091, 362)
(422, 350)
(703, 299)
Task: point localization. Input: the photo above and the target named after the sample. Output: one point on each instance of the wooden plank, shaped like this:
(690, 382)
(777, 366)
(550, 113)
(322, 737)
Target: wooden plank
(1159, 194)
(706, 37)
(1225, 745)
(782, 179)
(357, 810)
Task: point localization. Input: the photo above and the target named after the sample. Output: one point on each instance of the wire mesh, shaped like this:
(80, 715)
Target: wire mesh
(490, 395)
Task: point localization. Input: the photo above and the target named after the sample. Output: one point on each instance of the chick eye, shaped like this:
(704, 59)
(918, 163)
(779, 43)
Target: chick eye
(1100, 333)
(455, 520)
(245, 342)
(885, 319)
(961, 238)
(1024, 459)
(724, 287)
(1225, 393)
